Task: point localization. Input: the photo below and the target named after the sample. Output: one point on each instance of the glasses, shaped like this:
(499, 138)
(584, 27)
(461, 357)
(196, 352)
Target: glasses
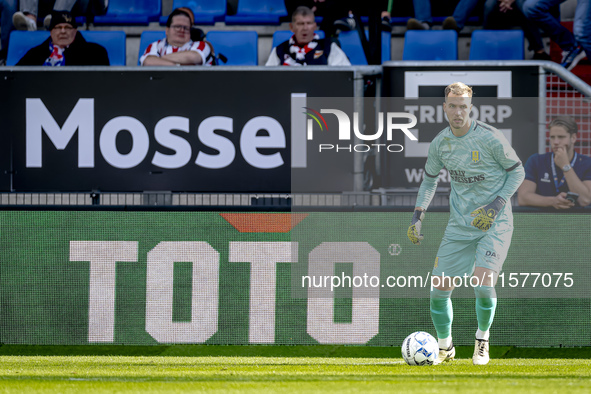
(180, 28)
(66, 28)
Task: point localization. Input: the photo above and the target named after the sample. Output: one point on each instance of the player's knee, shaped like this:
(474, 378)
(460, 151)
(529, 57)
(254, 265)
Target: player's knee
(486, 296)
(439, 298)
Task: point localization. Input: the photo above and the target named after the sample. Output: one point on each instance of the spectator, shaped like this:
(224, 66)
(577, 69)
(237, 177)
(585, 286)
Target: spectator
(7, 9)
(341, 15)
(65, 46)
(177, 48)
(423, 19)
(574, 46)
(549, 176)
(305, 47)
(455, 22)
(26, 18)
(498, 13)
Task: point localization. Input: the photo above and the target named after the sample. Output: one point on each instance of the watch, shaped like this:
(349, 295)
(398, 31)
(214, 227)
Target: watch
(566, 168)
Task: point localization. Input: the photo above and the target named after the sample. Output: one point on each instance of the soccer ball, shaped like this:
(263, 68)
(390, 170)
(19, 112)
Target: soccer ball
(420, 348)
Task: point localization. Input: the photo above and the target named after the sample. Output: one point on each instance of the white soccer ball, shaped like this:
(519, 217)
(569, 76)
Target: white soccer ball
(420, 348)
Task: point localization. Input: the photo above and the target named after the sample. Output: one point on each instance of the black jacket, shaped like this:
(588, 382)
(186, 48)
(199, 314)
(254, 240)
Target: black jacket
(79, 53)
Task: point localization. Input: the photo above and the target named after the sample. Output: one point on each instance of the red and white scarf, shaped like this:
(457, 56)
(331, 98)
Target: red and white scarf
(297, 54)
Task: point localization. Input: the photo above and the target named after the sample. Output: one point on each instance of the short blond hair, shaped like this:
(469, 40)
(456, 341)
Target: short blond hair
(458, 88)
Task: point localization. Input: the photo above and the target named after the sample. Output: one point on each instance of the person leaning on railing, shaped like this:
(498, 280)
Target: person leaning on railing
(549, 177)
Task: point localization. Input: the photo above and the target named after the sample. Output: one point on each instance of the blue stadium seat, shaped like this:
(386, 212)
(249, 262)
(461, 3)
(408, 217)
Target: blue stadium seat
(283, 35)
(207, 12)
(147, 38)
(22, 41)
(351, 45)
(430, 45)
(240, 47)
(113, 41)
(386, 45)
(258, 12)
(130, 12)
(496, 45)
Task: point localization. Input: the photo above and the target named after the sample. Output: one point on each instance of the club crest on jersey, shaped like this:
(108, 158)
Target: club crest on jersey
(475, 157)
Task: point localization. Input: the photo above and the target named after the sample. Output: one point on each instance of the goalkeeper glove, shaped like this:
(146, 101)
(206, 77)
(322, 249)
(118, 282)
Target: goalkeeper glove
(486, 214)
(414, 231)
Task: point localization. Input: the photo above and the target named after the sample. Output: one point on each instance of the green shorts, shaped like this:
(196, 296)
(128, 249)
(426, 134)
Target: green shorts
(459, 257)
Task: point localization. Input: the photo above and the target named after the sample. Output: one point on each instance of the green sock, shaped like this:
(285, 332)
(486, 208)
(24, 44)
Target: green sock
(441, 312)
(486, 304)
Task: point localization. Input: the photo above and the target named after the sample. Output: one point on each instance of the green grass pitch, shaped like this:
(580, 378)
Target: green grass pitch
(256, 374)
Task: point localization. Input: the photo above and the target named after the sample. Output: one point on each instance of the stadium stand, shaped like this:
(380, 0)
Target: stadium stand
(113, 41)
(496, 45)
(258, 12)
(239, 47)
(131, 12)
(430, 45)
(207, 12)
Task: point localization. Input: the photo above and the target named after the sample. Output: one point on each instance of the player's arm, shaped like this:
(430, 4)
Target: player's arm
(425, 194)
(505, 155)
(527, 196)
(515, 177)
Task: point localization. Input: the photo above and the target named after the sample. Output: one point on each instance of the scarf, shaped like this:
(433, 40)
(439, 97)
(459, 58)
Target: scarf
(56, 58)
(297, 54)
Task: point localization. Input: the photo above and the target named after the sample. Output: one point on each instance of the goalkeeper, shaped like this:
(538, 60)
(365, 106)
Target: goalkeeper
(485, 172)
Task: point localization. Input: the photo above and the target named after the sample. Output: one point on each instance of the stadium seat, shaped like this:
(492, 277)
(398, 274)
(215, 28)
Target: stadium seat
(351, 44)
(207, 12)
(147, 38)
(22, 41)
(131, 12)
(386, 46)
(258, 12)
(239, 47)
(496, 45)
(283, 35)
(430, 45)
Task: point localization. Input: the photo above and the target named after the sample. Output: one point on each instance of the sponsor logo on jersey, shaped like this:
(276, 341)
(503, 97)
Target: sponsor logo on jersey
(460, 176)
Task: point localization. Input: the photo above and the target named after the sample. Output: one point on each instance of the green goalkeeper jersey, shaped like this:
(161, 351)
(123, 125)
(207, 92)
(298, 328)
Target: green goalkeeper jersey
(482, 165)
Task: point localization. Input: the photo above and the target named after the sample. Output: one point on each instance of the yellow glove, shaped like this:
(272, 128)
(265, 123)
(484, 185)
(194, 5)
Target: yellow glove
(486, 214)
(414, 231)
